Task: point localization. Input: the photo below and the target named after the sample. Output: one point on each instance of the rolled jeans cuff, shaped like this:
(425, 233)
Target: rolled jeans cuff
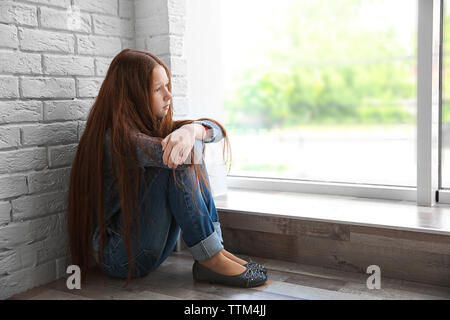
(207, 248)
(218, 230)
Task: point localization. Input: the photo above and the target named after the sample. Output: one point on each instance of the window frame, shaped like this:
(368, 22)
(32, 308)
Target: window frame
(428, 191)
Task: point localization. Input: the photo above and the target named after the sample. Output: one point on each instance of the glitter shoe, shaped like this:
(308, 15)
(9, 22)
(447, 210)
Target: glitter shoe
(247, 279)
(255, 266)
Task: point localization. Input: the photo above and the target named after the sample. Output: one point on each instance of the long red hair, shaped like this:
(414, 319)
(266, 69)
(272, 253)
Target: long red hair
(123, 105)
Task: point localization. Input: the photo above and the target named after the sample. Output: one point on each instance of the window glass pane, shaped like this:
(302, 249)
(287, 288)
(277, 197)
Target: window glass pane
(321, 90)
(445, 151)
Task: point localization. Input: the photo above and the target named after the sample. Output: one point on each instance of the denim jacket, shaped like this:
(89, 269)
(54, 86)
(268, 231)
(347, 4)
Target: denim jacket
(111, 204)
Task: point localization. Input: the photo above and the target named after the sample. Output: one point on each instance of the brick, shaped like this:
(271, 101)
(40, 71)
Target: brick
(9, 87)
(62, 155)
(126, 9)
(9, 261)
(140, 43)
(177, 7)
(14, 234)
(180, 105)
(51, 133)
(67, 110)
(5, 210)
(128, 43)
(24, 232)
(44, 227)
(177, 25)
(46, 41)
(88, 88)
(9, 36)
(65, 20)
(9, 137)
(19, 62)
(21, 160)
(144, 8)
(20, 111)
(13, 186)
(101, 66)
(176, 45)
(158, 45)
(167, 61)
(70, 66)
(179, 86)
(56, 3)
(98, 6)
(62, 217)
(176, 65)
(42, 274)
(40, 87)
(53, 248)
(15, 13)
(98, 45)
(61, 267)
(113, 26)
(34, 206)
(28, 278)
(152, 26)
(49, 180)
(163, 45)
(81, 127)
(13, 283)
(28, 253)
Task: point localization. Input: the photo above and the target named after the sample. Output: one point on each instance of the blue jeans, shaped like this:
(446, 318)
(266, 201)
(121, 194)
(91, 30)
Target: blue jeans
(164, 208)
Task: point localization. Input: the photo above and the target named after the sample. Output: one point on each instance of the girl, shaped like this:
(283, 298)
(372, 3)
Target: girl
(138, 177)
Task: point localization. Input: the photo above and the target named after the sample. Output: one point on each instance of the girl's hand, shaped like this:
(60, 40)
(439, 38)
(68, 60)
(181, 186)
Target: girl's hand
(178, 145)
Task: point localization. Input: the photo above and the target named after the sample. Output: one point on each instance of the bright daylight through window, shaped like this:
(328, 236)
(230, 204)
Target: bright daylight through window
(322, 90)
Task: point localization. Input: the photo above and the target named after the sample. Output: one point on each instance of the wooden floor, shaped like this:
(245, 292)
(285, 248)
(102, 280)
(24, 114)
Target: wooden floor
(286, 281)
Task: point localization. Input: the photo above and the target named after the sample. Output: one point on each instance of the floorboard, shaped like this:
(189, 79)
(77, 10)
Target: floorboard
(286, 281)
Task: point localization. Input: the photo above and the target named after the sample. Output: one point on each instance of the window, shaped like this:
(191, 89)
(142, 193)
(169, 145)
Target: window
(322, 90)
(445, 146)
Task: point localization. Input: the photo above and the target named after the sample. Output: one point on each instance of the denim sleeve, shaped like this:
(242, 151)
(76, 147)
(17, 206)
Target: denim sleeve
(217, 133)
(150, 153)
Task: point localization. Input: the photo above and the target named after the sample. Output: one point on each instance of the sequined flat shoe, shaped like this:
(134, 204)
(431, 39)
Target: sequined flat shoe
(249, 278)
(255, 266)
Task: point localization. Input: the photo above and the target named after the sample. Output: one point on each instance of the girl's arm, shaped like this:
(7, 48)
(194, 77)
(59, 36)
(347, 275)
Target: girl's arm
(214, 133)
(150, 153)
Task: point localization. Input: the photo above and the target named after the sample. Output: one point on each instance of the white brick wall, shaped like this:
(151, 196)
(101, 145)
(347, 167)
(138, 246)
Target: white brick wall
(50, 73)
(53, 59)
(159, 29)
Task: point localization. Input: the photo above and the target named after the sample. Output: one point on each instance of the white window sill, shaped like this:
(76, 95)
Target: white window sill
(390, 214)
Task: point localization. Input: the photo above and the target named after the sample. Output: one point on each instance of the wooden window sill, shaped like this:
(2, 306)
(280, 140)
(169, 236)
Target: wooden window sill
(390, 214)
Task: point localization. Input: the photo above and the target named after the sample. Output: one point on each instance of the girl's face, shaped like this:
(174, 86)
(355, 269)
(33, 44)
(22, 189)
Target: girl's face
(160, 92)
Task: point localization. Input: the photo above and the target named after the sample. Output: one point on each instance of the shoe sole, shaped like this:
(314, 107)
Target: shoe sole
(229, 285)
